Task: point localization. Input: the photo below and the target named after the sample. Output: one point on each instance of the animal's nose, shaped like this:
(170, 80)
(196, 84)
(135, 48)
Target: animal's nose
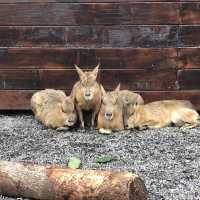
(126, 126)
(87, 94)
(108, 114)
(71, 120)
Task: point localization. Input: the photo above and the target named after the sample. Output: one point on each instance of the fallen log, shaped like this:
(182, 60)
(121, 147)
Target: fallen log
(56, 183)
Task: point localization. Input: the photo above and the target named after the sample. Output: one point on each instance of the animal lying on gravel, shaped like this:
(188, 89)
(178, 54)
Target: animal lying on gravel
(160, 114)
(110, 116)
(87, 94)
(129, 99)
(54, 109)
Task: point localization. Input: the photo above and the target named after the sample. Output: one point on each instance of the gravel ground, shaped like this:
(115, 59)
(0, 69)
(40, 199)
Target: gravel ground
(167, 159)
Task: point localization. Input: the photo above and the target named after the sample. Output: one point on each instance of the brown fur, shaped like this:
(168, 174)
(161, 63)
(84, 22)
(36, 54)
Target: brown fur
(160, 114)
(129, 99)
(87, 85)
(110, 104)
(53, 108)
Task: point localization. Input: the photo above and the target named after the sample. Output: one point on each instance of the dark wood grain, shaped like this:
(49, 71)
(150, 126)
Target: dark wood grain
(86, 1)
(14, 79)
(15, 99)
(65, 79)
(90, 36)
(191, 95)
(88, 14)
(189, 58)
(189, 36)
(139, 79)
(189, 79)
(20, 99)
(190, 13)
(62, 58)
(38, 58)
(37, 79)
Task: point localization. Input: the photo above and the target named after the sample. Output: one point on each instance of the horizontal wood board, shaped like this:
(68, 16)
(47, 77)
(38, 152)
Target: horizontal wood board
(20, 99)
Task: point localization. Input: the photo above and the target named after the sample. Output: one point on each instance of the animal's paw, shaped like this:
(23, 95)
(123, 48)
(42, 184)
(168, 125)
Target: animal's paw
(105, 131)
(62, 129)
(82, 124)
(82, 130)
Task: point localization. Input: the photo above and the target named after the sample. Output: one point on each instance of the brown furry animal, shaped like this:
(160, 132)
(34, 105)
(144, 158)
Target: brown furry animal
(129, 99)
(160, 114)
(54, 109)
(87, 94)
(110, 117)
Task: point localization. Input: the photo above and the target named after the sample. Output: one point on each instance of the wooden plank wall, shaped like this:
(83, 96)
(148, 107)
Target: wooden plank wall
(149, 46)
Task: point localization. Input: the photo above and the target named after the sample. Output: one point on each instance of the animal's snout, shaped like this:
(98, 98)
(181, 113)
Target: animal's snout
(108, 115)
(71, 120)
(88, 94)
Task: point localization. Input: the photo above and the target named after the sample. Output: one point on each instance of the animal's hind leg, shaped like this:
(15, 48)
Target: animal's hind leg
(189, 125)
(189, 117)
(154, 124)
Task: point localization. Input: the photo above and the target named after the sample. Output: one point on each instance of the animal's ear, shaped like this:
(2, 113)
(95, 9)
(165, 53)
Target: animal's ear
(96, 70)
(80, 72)
(67, 105)
(72, 95)
(117, 89)
(103, 90)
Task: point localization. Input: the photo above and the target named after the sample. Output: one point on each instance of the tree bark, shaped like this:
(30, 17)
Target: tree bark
(56, 183)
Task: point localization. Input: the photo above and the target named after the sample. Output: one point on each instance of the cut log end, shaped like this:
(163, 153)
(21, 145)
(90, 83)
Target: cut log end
(137, 189)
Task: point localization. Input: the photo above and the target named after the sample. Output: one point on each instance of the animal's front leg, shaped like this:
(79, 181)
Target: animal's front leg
(125, 118)
(93, 118)
(63, 128)
(80, 115)
(94, 113)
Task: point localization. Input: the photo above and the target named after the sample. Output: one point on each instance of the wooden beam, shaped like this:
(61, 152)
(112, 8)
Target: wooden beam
(20, 99)
(48, 14)
(188, 58)
(190, 13)
(189, 36)
(189, 79)
(151, 79)
(112, 58)
(93, 36)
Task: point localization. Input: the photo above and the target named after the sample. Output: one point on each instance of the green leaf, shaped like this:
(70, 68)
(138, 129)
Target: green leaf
(74, 163)
(104, 159)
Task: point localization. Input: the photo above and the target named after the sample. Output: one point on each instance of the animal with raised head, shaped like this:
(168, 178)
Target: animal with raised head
(87, 94)
(160, 114)
(110, 117)
(54, 109)
(129, 99)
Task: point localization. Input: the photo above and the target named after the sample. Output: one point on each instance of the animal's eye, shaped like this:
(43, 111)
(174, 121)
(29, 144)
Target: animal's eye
(104, 101)
(126, 100)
